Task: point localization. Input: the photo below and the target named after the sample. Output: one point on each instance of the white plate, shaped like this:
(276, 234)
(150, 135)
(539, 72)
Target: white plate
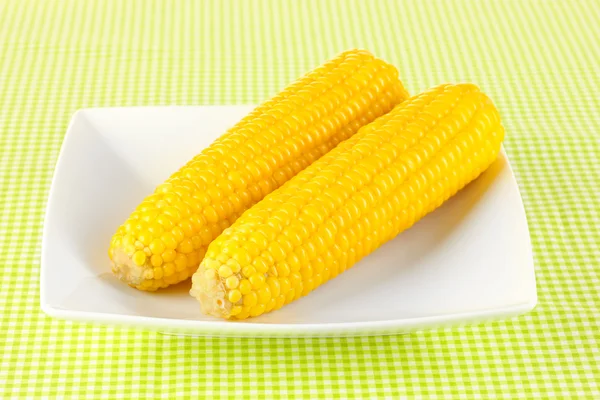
(468, 261)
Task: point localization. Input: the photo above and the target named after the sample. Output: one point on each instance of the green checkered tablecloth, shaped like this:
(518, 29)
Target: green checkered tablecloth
(538, 60)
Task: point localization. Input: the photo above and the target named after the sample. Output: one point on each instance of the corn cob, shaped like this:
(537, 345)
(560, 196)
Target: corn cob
(166, 237)
(345, 205)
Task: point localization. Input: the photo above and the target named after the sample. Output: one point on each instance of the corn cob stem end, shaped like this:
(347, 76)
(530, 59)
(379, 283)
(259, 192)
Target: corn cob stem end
(125, 269)
(209, 290)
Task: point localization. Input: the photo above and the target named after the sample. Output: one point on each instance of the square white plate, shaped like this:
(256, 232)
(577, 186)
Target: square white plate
(468, 261)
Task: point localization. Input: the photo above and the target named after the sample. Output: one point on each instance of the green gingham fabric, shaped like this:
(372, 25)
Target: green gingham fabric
(538, 60)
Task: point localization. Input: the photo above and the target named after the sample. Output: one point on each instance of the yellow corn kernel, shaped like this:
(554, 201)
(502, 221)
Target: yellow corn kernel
(245, 286)
(185, 246)
(225, 271)
(168, 240)
(361, 194)
(248, 271)
(169, 269)
(232, 282)
(271, 305)
(264, 295)
(257, 281)
(139, 258)
(250, 299)
(168, 255)
(257, 310)
(156, 260)
(157, 246)
(234, 296)
(234, 265)
(180, 262)
(264, 150)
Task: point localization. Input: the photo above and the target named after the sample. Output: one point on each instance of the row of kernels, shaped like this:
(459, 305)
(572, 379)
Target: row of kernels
(369, 244)
(170, 231)
(275, 250)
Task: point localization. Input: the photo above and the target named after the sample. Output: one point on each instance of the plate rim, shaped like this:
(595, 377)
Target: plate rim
(231, 328)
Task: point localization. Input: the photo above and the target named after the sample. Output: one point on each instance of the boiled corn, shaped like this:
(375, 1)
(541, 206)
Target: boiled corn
(166, 237)
(345, 205)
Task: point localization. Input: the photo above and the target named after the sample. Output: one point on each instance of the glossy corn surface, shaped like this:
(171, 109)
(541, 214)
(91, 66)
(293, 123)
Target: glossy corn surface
(345, 205)
(166, 237)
